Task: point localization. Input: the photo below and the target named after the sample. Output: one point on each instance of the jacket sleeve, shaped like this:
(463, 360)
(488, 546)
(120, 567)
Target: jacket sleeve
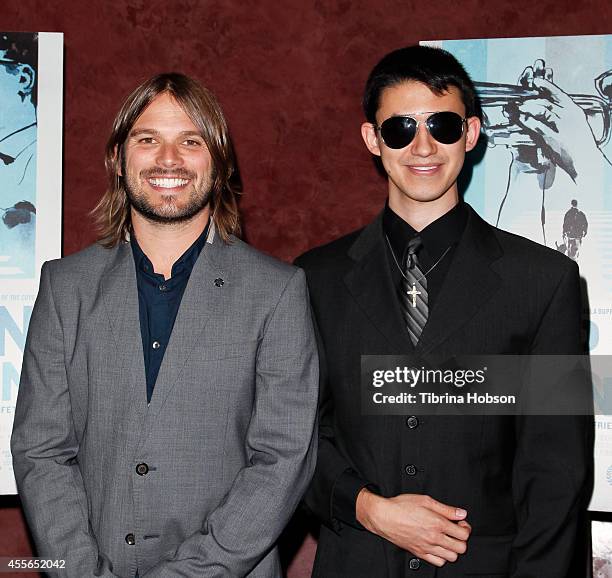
(553, 456)
(45, 449)
(281, 444)
(335, 486)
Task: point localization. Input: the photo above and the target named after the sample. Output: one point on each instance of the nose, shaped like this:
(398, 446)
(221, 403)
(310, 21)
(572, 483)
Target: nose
(169, 155)
(423, 144)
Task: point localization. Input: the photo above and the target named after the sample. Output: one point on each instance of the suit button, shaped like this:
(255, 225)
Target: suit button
(412, 421)
(414, 563)
(410, 469)
(142, 469)
(130, 539)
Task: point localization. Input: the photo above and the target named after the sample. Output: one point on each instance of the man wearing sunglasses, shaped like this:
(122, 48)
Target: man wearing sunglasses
(423, 495)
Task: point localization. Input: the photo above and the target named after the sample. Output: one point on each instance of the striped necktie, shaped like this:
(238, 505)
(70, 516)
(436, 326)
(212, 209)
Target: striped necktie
(413, 294)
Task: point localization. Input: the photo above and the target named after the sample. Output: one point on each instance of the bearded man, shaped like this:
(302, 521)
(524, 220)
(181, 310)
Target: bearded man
(166, 409)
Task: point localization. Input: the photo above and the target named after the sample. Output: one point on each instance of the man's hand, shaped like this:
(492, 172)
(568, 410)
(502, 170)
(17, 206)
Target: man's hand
(433, 531)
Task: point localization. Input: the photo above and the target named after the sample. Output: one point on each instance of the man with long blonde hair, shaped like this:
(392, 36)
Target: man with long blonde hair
(165, 418)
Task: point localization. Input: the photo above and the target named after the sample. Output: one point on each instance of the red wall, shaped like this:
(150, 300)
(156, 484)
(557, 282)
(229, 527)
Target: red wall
(289, 75)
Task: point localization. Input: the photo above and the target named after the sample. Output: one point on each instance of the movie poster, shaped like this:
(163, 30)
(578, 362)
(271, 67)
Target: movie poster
(31, 79)
(602, 550)
(544, 170)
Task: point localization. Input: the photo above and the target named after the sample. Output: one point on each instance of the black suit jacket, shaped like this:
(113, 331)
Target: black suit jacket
(521, 479)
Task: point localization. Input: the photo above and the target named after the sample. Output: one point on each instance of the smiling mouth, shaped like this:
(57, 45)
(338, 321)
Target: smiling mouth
(423, 169)
(167, 182)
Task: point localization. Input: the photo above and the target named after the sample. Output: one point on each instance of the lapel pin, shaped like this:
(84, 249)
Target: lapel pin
(219, 282)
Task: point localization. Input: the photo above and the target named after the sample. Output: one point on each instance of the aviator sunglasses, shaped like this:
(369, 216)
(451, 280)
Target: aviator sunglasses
(398, 132)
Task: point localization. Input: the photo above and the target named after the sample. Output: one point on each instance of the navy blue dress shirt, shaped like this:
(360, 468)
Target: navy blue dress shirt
(159, 300)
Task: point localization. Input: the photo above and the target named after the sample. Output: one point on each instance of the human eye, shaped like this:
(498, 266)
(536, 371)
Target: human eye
(145, 140)
(192, 142)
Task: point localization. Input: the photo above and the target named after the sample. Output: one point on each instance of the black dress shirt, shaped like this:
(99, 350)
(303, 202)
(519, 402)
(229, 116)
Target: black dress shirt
(437, 237)
(159, 300)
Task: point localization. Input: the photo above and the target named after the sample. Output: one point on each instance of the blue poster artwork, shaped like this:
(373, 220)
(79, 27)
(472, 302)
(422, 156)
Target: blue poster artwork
(18, 131)
(543, 167)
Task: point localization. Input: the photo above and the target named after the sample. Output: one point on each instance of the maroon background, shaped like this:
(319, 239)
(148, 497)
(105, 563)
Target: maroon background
(289, 75)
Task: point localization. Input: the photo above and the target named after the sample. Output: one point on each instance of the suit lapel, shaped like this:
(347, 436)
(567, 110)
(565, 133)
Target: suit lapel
(369, 282)
(120, 296)
(206, 296)
(202, 300)
(470, 282)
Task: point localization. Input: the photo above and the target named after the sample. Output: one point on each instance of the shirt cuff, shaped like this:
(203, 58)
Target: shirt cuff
(344, 498)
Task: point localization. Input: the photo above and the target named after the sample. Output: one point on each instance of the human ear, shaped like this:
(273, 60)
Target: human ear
(117, 161)
(472, 132)
(368, 134)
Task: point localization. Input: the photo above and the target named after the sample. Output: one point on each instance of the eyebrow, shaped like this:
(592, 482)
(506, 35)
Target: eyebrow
(139, 131)
(419, 112)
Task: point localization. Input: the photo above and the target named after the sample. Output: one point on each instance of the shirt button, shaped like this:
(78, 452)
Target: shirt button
(130, 539)
(163, 287)
(156, 345)
(410, 469)
(412, 421)
(142, 469)
(414, 563)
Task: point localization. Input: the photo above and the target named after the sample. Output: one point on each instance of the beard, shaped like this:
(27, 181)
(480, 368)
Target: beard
(168, 210)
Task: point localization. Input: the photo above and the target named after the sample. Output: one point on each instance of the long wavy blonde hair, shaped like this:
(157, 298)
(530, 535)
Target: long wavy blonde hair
(112, 213)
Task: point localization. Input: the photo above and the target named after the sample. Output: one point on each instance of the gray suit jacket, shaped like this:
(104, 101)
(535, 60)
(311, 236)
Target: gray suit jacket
(227, 438)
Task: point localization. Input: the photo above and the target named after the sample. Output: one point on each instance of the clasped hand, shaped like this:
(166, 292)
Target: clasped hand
(435, 532)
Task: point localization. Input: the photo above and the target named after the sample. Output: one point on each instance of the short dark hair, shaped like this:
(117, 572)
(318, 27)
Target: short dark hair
(21, 48)
(434, 67)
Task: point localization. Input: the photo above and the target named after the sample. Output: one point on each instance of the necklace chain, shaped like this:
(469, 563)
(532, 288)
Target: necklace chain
(424, 274)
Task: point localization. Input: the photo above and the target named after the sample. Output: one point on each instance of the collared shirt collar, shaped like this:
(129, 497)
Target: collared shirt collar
(183, 264)
(436, 237)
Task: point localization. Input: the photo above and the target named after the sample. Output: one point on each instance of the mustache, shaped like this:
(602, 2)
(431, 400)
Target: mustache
(179, 172)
